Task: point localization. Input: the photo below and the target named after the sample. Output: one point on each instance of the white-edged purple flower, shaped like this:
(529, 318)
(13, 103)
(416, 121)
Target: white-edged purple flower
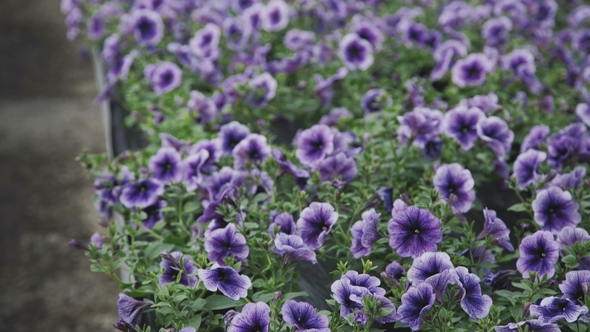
(368, 31)
(538, 253)
(471, 70)
(530, 326)
(461, 122)
(569, 236)
(275, 16)
(292, 247)
(148, 27)
(203, 106)
(163, 77)
(496, 228)
(166, 165)
(496, 133)
(263, 89)
(237, 32)
(375, 100)
(286, 166)
(315, 222)
(314, 144)
(130, 309)
(555, 209)
(496, 31)
(339, 168)
(231, 134)
(355, 52)
(571, 180)
(553, 309)
(413, 231)
(153, 214)
(574, 284)
(284, 221)
(297, 40)
(172, 268)
(334, 116)
(583, 112)
(226, 242)
(473, 302)
(254, 317)
(364, 234)
(456, 180)
(521, 61)
(421, 125)
(536, 136)
(193, 168)
(205, 42)
(432, 268)
(226, 280)
(303, 316)
(416, 303)
(342, 291)
(252, 149)
(526, 165)
(141, 193)
(486, 103)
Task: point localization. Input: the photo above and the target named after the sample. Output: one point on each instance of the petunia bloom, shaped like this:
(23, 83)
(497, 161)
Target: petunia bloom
(172, 268)
(141, 194)
(205, 42)
(574, 285)
(314, 144)
(130, 309)
(416, 303)
(471, 70)
(163, 77)
(336, 167)
(263, 89)
(315, 222)
(530, 326)
(276, 16)
(461, 122)
(435, 269)
(166, 165)
(364, 234)
(473, 302)
(536, 136)
(421, 125)
(226, 242)
(252, 149)
(553, 309)
(355, 52)
(413, 231)
(538, 253)
(496, 133)
(456, 180)
(555, 209)
(226, 280)
(526, 165)
(496, 228)
(583, 112)
(375, 100)
(304, 317)
(148, 27)
(292, 247)
(254, 317)
(231, 134)
(569, 236)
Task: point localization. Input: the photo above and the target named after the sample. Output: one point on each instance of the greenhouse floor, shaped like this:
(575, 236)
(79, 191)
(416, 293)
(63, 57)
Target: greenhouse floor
(46, 119)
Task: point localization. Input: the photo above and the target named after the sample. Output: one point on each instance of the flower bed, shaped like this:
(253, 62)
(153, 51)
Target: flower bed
(345, 165)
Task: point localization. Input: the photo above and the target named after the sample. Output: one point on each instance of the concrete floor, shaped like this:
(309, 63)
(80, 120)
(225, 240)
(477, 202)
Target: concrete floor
(46, 119)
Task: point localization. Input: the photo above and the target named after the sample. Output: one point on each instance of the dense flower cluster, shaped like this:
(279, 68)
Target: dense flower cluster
(370, 139)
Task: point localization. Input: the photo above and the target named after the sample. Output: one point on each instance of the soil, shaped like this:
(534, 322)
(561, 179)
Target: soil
(47, 117)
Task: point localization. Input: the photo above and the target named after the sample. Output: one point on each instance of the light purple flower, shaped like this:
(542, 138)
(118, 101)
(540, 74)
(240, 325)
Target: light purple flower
(226, 280)
(314, 144)
(496, 31)
(237, 32)
(536, 136)
(420, 125)
(571, 180)
(163, 77)
(130, 309)
(231, 134)
(304, 317)
(292, 247)
(263, 89)
(471, 70)
(473, 302)
(166, 165)
(368, 31)
(193, 167)
(226, 242)
(526, 165)
(203, 106)
(486, 103)
(461, 122)
(337, 167)
(355, 52)
(583, 112)
(205, 42)
(342, 291)
(254, 317)
(315, 222)
(148, 27)
(141, 193)
(375, 100)
(297, 40)
(555, 209)
(496, 228)
(429, 267)
(252, 149)
(538, 253)
(413, 231)
(454, 179)
(496, 133)
(364, 234)
(530, 326)
(416, 303)
(553, 309)
(172, 268)
(333, 118)
(574, 284)
(275, 16)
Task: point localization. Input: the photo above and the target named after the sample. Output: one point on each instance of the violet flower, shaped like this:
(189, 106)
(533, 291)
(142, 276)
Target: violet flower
(521, 61)
(496, 228)
(252, 149)
(297, 40)
(193, 167)
(263, 89)
(153, 214)
(333, 118)
(454, 179)
(434, 268)
(416, 303)
(275, 16)
(231, 134)
(526, 165)
(575, 286)
(421, 125)
(292, 247)
(172, 268)
(364, 234)
(471, 70)
(460, 123)
(304, 317)
(355, 52)
(569, 236)
(536, 136)
(237, 32)
(130, 309)
(486, 103)
(163, 77)
(496, 31)
(583, 112)
(538, 253)
(342, 290)
(553, 309)
(473, 302)
(284, 222)
(254, 317)
(148, 27)
(337, 167)
(413, 231)
(203, 106)
(555, 209)
(213, 147)
(166, 165)
(315, 222)
(571, 180)
(226, 242)
(141, 193)
(375, 100)
(205, 42)
(314, 144)
(226, 280)
(530, 326)
(496, 133)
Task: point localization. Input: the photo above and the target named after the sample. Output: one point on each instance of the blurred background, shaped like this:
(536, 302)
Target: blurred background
(47, 117)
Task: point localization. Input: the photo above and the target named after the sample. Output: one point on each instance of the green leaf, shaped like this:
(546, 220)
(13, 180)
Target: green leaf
(520, 207)
(195, 322)
(217, 302)
(197, 305)
(154, 249)
(293, 295)
(262, 297)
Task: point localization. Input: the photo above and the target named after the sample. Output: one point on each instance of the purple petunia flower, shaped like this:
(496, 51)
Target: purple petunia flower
(471, 70)
(461, 122)
(254, 317)
(583, 112)
(486, 103)
(153, 214)
(203, 106)
(148, 27)
(574, 285)
(226, 242)
(213, 147)
(421, 125)
(193, 166)
(496, 31)
(333, 118)
(554, 209)
(130, 309)
(292, 247)
(364, 281)
(275, 16)
(495, 227)
(205, 42)
(231, 134)
(163, 77)
(496, 133)
(375, 100)
(534, 138)
(395, 271)
(285, 223)
(342, 291)
(355, 52)
(323, 87)
(297, 40)
(141, 193)
(337, 167)
(434, 268)
(553, 309)
(364, 234)
(314, 144)
(454, 179)
(237, 32)
(569, 236)
(473, 302)
(571, 180)
(286, 166)
(227, 280)
(416, 303)
(538, 253)
(386, 195)
(413, 231)
(304, 317)
(315, 222)
(521, 61)
(252, 149)
(530, 326)
(526, 165)
(166, 165)
(263, 89)
(172, 268)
